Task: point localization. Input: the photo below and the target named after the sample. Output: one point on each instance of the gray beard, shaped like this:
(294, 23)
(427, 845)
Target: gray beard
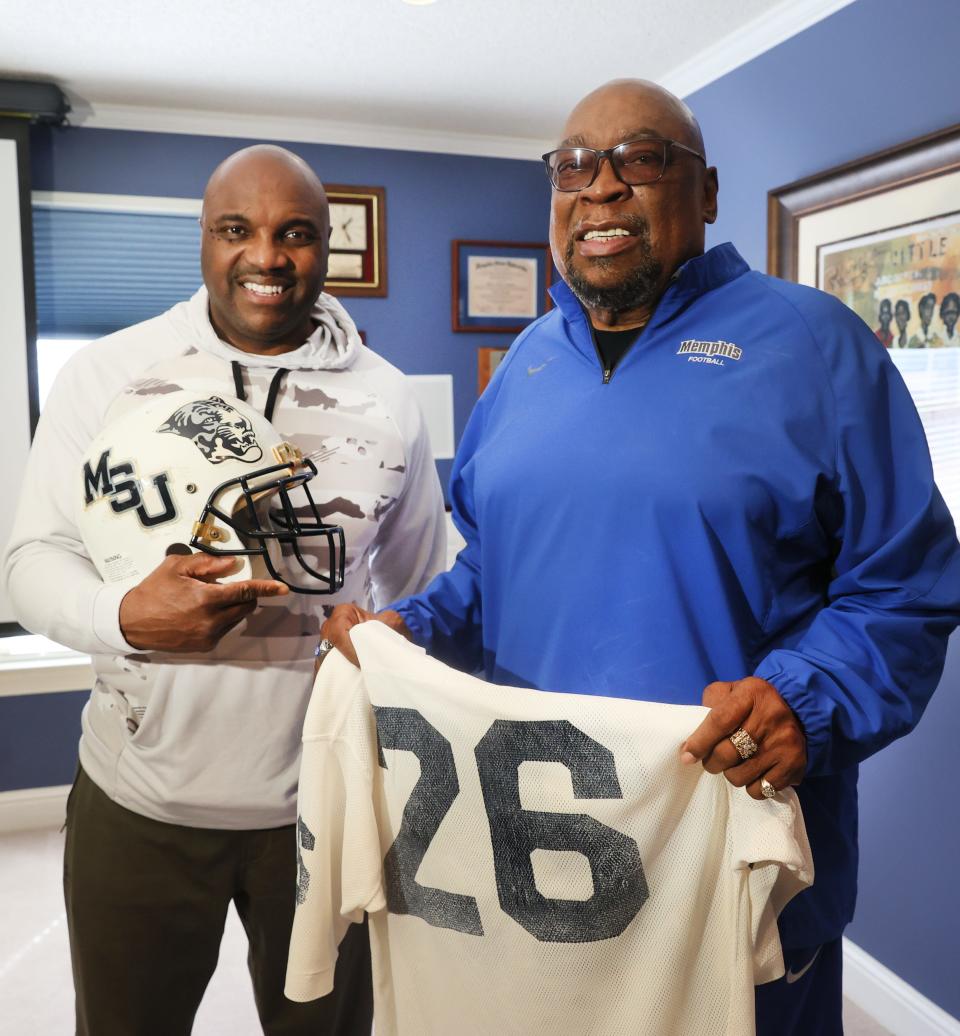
(639, 288)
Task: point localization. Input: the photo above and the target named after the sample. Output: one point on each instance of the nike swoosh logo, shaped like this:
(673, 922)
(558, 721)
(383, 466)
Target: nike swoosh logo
(536, 370)
(795, 976)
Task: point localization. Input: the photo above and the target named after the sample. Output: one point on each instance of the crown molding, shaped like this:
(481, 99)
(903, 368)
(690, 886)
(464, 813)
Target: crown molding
(762, 34)
(757, 37)
(310, 131)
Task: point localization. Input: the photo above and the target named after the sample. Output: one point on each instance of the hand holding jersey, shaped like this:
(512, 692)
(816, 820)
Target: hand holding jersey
(750, 703)
(546, 846)
(336, 629)
(753, 705)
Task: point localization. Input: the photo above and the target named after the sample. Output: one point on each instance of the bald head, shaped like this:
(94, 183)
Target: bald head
(617, 244)
(644, 97)
(264, 249)
(265, 160)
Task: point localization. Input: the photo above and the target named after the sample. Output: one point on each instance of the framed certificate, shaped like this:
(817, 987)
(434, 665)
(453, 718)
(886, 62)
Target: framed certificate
(498, 285)
(358, 241)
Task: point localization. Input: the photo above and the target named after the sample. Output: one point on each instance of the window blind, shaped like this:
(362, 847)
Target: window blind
(98, 271)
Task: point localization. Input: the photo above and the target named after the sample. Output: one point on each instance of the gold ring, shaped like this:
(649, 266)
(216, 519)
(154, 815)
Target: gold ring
(743, 743)
(767, 789)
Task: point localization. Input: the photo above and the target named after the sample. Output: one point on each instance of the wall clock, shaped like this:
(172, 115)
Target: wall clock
(358, 241)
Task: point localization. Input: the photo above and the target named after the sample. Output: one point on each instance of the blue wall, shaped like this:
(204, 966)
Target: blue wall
(38, 739)
(871, 76)
(430, 201)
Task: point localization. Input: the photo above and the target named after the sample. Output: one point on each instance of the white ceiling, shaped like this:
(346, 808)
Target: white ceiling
(495, 77)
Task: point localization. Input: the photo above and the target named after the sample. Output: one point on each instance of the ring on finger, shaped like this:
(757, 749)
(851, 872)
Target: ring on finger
(322, 650)
(744, 744)
(767, 789)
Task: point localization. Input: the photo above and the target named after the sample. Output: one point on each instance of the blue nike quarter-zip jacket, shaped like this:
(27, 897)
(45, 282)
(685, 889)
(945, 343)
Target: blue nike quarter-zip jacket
(748, 492)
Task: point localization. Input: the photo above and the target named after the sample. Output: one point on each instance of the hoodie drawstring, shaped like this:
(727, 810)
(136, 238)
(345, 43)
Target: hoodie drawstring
(240, 392)
(272, 393)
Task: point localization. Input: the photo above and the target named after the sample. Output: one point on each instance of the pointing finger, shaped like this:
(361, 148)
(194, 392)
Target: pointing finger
(206, 568)
(249, 590)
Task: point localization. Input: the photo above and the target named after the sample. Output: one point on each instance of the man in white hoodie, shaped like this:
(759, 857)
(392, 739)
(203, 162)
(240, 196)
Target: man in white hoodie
(186, 793)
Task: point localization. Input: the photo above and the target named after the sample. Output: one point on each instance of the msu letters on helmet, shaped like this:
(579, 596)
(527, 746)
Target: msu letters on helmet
(194, 470)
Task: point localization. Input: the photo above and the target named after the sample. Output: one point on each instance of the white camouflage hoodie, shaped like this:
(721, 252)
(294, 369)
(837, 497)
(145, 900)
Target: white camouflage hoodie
(212, 740)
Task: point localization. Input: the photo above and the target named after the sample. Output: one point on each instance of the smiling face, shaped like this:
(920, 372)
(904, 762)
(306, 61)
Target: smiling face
(264, 249)
(617, 246)
(949, 311)
(925, 308)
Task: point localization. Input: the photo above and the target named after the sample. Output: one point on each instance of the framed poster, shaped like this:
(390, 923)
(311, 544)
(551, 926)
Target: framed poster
(498, 285)
(882, 234)
(903, 281)
(488, 360)
(358, 241)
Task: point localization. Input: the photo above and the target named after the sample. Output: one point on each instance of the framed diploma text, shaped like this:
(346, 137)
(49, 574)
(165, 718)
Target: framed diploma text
(499, 285)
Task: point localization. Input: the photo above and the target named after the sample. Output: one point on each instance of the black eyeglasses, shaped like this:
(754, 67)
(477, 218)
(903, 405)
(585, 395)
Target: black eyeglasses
(633, 162)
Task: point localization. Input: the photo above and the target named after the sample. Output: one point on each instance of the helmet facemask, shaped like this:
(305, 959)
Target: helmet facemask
(272, 512)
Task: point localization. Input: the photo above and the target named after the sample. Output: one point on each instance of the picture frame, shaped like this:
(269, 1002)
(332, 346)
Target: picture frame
(888, 191)
(488, 360)
(499, 286)
(358, 241)
(882, 234)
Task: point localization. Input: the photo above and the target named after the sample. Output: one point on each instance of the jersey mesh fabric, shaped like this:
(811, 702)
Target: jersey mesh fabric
(496, 921)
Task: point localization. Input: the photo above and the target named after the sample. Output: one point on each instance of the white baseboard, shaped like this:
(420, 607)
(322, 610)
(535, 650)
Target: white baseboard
(895, 1004)
(32, 809)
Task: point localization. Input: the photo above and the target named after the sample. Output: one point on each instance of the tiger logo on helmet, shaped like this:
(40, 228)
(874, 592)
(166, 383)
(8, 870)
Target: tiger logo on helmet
(218, 430)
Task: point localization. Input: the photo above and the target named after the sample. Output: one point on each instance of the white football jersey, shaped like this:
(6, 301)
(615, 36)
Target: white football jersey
(531, 862)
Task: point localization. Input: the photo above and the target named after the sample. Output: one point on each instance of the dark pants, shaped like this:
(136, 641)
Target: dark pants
(146, 905)
(808, 1000)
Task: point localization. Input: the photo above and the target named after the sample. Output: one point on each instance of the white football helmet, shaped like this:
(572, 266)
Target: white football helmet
(192, 470)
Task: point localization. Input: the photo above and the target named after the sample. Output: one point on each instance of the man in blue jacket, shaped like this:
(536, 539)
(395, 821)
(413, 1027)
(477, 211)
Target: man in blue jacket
(689, 475)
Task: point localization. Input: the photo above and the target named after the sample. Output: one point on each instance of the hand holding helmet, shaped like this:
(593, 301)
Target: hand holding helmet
(179, 607)
(192, 470)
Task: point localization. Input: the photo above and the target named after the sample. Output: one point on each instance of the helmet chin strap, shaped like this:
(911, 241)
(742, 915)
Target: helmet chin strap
(273, 392)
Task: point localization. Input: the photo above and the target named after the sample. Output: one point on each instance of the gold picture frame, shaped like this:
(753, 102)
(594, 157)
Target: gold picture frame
(358, 241)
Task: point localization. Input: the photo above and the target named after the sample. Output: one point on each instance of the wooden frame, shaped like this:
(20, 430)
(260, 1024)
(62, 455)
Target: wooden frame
(369, 254)
(924, 158)
(530, 297)
(488, 359)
